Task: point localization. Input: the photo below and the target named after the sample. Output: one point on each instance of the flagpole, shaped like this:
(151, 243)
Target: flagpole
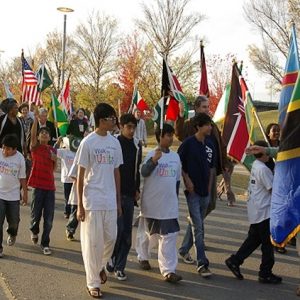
(261, 127)
(130, 109)
(54, 113)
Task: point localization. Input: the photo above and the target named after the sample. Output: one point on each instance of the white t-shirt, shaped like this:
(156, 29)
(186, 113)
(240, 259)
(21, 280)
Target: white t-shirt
(159, 199)
(67, 158)
(140, 132)
(100, 156)
(12, 169)
(260, 184)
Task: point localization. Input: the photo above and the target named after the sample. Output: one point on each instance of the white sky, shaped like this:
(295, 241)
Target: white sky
(25, 24)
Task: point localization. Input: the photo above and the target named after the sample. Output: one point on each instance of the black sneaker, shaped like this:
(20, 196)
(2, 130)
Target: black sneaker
(235, 269)
(204, 271)
(273, 279)
(70, 236)
(173, 277)
(120, 275)
(187, 258)
(144, 264)
(109, 266)
(11, 240)
(34, 238)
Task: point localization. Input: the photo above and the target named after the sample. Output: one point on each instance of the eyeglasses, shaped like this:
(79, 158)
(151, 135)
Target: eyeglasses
(113, 119)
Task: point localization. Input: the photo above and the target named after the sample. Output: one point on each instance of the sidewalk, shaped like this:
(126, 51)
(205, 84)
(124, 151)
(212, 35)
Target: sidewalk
(27, 274)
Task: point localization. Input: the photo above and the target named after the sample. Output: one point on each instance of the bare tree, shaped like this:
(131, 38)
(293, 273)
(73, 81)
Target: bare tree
(95, 43)
(272, 20)
(167, 25)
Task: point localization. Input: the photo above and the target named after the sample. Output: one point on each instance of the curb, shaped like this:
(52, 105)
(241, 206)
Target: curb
(5, 290)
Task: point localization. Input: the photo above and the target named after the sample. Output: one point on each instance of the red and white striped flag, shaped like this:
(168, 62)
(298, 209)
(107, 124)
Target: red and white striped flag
(30, 92)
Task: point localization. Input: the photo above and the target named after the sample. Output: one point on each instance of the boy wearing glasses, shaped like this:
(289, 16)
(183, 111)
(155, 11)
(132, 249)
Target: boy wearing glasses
(98, 158)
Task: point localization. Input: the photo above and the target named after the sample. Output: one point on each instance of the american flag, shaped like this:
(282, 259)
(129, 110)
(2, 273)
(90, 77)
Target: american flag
(30, 92)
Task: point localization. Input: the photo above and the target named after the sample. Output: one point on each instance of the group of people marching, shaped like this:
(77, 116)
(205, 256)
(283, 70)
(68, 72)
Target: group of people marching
(101, 176)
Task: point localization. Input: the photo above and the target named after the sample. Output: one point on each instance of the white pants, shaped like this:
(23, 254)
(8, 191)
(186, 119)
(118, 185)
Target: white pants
(98, 234)
(167, 251)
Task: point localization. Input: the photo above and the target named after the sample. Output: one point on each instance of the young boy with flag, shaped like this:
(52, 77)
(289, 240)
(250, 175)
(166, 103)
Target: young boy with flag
(42, 180)
(258, 207)
(159, 203)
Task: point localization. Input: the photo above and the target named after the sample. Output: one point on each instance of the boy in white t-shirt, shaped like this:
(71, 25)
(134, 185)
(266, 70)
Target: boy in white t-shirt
(73, 201)
(67, 154)
(258, 208)
(67, 157)
(12, 175)
(159, 204)
(99, 202)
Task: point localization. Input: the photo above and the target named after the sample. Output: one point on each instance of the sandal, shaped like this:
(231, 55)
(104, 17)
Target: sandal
(103, 276)
(94, 292)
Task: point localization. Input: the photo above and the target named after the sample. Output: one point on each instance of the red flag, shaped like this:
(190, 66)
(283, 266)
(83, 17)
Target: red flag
(203, 90)
(137, 101)
(172, 109)
(235, 131)
(171, 87)
(64, 97)
(30, 91)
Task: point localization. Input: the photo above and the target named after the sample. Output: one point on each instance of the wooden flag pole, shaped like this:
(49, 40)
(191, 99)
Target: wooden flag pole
(261, 127)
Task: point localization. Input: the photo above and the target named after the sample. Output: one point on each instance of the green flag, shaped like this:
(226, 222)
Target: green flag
(159, 112)
(57, 114)
(43, 78)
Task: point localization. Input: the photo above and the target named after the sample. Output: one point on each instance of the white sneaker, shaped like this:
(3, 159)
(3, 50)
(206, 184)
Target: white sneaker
(46, 251)
(1, 253)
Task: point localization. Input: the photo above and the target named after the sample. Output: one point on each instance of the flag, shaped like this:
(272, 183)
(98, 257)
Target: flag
(235, 131)
(285, 203)
(57, 114)
(65, 98)
(290, 76)
(137, 101)
(158, 116)
(220, 112)
(8, 92)
(172, 109)
(43, 78)
(171, 87)
(203, 90)
(30, 91)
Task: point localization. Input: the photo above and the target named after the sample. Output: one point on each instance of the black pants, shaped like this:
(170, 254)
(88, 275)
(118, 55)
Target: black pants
(258, 234)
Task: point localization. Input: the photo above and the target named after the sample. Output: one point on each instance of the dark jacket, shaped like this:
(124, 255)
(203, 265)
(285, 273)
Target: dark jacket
(185, 128)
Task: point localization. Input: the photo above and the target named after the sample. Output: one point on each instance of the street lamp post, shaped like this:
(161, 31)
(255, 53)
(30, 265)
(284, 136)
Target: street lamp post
(65, 10)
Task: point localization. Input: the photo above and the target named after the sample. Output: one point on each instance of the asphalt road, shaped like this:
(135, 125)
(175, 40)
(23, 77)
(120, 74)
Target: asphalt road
(25, 273)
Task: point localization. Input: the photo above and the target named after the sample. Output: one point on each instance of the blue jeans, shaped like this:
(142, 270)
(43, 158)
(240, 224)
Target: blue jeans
(67, 191)
(42, 203)
(197, 207)
(72, 222)
(10, 210)
(124, 236)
